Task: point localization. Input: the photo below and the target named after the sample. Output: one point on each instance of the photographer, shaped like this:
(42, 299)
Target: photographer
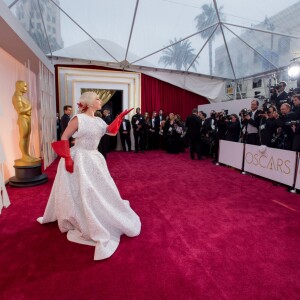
(212, 133)
(295, 116)
(278, 94)
(222, 118)
(204, 139)
(233, 127)
(284, 134)
(251, 121)
(193, 125)
(269, 126)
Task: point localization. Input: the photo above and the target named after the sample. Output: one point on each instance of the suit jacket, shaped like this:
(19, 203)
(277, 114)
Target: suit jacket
(295, 116)
(267, 133)
(160, 118)
(254, 122)
(204, 127)
(141, 121)
(279, 99)
(128, 126)
(156, 124)
(193, 124)
(108, 119)
(209, 122)
(64, 121)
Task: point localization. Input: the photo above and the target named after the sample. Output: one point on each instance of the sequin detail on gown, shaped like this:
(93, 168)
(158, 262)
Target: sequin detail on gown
(86, 203)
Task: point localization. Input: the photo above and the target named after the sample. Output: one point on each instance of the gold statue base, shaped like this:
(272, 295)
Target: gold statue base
(22, 163)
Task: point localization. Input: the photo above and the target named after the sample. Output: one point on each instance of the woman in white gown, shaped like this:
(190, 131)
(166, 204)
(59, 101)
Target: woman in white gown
(84, 198)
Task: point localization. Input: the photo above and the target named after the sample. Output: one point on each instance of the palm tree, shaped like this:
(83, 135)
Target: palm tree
(180, 54)
(208, 17)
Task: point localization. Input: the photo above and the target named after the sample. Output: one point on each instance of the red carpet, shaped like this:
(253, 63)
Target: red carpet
(208, 232)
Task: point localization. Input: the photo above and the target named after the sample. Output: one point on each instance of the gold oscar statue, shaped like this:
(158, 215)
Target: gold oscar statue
(23, 108)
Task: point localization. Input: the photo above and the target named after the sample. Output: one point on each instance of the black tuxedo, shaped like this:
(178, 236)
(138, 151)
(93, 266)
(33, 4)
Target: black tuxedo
(160, 118)
(279, 99)
(193, 124)
(295, 116)
(138, 125)
(125, 134)
(211, 124)
(285, 140)
(64, 121)
(154, 133)
(270, 128)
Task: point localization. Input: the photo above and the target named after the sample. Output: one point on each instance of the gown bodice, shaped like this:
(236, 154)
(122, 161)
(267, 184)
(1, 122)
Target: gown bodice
(90, 131)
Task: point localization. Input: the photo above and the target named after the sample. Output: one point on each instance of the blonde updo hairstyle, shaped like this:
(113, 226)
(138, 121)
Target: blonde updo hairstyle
(86, 99)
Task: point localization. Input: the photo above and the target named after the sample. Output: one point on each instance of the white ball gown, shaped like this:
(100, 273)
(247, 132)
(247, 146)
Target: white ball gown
(86, 203)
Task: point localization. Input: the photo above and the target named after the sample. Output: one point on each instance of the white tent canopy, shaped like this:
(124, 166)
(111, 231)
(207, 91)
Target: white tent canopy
(221, 39)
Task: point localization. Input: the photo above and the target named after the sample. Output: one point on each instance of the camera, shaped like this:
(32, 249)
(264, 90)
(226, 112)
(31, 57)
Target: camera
(274, 88)
(291, 123)
(266, 105)
(293, 91)
(244, 112)
(279, 137)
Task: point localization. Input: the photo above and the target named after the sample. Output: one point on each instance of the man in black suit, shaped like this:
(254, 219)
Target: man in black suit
(125, 134)
(154, 131)
(212, 134)
(204, 141)
(160, 116)
(269, 126)
(252, 123)
(193, 125)
(58, 127)
(285, 134)
(111, 141)
(296, 118)
(64, 121)
(279, 94)
(138, 125)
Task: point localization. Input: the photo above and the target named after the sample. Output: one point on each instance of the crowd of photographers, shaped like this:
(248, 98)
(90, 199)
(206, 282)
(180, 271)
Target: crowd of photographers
(276, 124)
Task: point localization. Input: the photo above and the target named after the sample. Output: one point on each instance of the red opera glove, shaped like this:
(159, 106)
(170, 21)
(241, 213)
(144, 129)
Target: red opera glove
(113, 128)
(62, 149)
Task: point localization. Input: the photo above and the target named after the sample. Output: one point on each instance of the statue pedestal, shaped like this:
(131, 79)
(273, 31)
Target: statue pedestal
(28, 176)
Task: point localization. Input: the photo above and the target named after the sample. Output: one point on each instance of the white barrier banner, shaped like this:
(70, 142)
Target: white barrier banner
(231, 154)
(274, 164)
(297, 185)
